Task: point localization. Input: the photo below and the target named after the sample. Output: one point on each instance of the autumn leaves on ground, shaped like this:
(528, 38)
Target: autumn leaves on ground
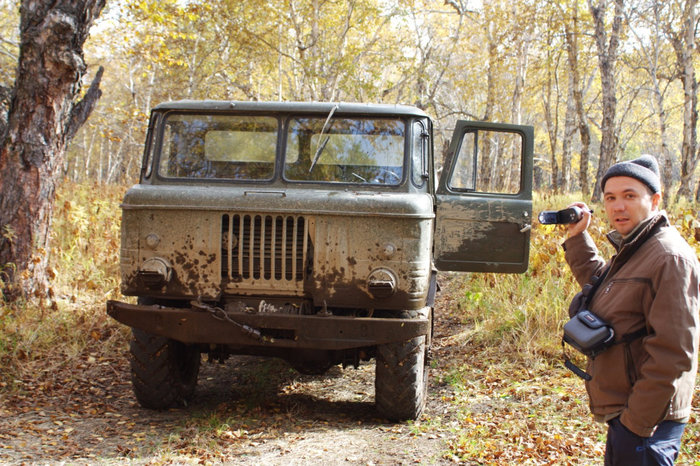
(498, 392)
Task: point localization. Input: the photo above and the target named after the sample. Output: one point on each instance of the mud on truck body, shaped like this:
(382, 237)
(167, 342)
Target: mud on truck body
(311, 232)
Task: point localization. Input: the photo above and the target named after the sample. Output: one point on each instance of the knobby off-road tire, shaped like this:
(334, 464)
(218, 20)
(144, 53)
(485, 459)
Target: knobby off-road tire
(401, 379)
(163, 371)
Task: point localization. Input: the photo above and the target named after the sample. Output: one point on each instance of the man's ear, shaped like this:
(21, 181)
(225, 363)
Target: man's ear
(655, 201)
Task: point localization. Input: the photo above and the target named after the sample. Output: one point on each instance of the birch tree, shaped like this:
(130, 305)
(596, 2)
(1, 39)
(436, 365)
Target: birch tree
(652, 59)
(607, 44)
(683, 38)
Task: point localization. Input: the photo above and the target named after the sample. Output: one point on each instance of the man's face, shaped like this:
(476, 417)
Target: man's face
(628, 202)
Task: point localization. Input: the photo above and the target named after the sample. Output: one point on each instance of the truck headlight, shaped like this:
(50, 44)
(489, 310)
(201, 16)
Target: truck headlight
(155, 272)
(381, 283)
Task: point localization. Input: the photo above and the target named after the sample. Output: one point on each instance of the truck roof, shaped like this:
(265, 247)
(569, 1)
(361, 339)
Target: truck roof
(292, 107)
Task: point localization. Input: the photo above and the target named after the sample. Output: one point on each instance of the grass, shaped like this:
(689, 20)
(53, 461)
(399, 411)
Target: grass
(514, 347)
(46, 334)
(516, 403)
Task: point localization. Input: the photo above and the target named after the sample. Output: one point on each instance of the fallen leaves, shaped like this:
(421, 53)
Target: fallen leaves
(486, 406)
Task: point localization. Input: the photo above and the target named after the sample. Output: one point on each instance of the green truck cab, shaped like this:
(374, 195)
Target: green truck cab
(311, 232)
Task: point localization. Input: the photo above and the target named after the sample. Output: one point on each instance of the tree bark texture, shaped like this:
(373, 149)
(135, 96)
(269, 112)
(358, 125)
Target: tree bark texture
(487, 165)
(516, 116)
(569, 132)
(552, 123)
(44, 114)
(572, 32)
(684, 47)
(607, 58)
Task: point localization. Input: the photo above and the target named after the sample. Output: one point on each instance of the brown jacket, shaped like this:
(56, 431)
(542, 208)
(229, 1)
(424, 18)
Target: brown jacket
(653, 282)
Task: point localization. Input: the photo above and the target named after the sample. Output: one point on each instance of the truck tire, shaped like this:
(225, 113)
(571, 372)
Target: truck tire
(163, 371)
(401, 379)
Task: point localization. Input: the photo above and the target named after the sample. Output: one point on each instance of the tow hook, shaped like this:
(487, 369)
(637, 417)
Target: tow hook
(220, 314)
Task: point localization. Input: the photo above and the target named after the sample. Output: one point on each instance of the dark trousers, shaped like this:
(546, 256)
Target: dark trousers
(626, 448)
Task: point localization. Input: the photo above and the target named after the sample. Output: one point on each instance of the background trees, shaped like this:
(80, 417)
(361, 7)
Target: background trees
(594, 77)
(601, 80)
(610, 77)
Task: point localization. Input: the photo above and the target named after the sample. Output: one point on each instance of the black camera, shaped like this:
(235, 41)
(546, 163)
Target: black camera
(564, 216)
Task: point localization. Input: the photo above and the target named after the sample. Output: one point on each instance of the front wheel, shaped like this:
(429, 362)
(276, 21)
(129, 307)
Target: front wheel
(163, 371)
(401, 379)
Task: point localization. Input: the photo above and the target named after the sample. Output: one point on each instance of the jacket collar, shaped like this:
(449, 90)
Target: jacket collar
(640, 234)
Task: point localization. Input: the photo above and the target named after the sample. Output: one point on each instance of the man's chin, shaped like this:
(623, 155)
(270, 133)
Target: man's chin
(623, 227)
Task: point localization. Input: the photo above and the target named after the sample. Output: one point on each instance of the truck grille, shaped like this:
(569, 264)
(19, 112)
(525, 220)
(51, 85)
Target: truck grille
(263, 247)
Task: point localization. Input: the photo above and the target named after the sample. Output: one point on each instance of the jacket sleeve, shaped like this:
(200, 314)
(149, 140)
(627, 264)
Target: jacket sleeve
(583, 258)
(671, 346)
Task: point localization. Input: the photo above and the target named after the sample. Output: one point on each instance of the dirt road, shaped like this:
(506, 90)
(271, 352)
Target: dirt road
(246, 411)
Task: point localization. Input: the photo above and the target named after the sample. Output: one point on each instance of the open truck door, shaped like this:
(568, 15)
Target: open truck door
(484, 199)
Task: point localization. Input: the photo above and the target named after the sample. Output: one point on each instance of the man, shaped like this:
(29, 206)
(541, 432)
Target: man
(642, 386)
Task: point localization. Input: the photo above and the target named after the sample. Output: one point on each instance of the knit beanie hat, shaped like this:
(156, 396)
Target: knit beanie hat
(644, 169)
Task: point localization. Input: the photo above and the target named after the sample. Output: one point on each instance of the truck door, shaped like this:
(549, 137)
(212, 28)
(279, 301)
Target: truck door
(484, 199)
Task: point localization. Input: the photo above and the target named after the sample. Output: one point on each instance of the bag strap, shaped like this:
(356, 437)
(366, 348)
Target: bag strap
(573, 367)
(630, 337)
(626, 339)
(597, 281)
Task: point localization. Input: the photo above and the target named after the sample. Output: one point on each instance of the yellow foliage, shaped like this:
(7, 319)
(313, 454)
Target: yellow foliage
(524, 313)
(83, 273)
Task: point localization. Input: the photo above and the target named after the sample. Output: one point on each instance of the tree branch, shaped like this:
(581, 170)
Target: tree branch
(82, 110)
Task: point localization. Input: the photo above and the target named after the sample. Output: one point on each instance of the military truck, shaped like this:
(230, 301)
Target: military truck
(311, 232)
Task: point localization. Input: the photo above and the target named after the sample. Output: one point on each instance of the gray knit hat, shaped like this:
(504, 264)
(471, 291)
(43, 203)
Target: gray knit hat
(644, 169)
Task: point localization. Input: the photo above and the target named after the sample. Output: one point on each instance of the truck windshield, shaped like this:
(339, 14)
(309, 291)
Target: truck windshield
(318, 149)
(345, 150)
(218, 146)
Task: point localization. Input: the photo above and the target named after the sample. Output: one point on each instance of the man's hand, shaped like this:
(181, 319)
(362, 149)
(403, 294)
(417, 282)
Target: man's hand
(574, 229)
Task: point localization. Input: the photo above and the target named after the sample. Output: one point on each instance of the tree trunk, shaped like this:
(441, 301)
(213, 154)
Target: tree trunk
(516, 104)
(607, 58)
(486, 168)
(666, 159)
(552, 124)
(572, 51)
(684, 47)
(43, 116)
(653, 59)
(568, 142)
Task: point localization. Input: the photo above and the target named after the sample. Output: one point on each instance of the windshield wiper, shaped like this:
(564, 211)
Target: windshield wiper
(322, 145)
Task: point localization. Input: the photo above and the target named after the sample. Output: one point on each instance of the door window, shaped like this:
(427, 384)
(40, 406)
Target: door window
(488, 162)
(419, 151)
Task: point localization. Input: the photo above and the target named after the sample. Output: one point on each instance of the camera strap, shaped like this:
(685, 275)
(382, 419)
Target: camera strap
(573, 367)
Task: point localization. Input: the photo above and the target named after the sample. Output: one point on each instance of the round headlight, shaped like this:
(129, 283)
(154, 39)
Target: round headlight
(381, 283)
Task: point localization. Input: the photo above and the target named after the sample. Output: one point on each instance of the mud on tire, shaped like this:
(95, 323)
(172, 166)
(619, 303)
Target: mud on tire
(163, 371)
(401, 379)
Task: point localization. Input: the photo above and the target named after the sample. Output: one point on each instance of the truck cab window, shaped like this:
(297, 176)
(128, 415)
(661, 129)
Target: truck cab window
(488, 162)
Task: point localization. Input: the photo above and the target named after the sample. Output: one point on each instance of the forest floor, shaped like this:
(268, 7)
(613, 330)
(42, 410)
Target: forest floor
(246, 411)
(482, 409)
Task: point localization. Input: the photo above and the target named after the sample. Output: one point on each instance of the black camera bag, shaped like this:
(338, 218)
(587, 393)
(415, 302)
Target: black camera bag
(585, 331)
(588, 333)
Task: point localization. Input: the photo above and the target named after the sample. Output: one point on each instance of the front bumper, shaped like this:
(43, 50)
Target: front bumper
(241, 329)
